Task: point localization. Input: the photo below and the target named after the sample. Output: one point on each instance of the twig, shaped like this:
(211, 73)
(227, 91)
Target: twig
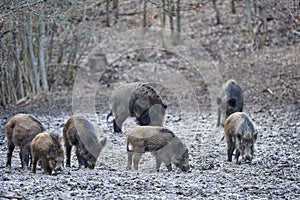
(24, 5)
(4, 33)
(296, 32)
(198, 5)
(11, 197)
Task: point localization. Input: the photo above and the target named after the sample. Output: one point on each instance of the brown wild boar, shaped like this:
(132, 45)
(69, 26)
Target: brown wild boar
(47, 148)
(241, 135)
(137, 100)
(161, 142)
(20, 130)
(230, 100)
(79, 132)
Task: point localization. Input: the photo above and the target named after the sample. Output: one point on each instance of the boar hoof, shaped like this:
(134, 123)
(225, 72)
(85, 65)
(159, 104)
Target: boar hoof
(8, 168)
(169, 167)
(116, 127)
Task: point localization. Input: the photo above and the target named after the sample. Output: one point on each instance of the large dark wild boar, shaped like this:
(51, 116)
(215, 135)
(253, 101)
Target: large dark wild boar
(79, 132)
(230, 100)
(137, 100)
(20, 130)
(161, 142)
(241, 135)
(47, 148)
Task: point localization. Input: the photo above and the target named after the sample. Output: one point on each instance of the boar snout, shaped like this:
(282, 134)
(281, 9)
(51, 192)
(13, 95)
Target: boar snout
(185, 168)
(247, 158)
(57, 165)
(91, 165)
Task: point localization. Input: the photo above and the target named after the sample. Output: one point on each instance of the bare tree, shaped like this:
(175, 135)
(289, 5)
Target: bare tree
(218, 17)
(249, 20)
(41, 52)
(35, 74)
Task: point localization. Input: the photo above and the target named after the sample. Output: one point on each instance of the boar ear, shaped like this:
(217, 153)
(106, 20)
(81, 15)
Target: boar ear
(239, 135)
(219, 100)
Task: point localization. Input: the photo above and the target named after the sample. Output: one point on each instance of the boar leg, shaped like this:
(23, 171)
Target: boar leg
(168, 163)
(237, 155)
(136, 160)
(24, 156)
(26, 152)
(46, 167)
(81, 161)
(219, 117)
(117, 129)
(21, 158)
(118, 125)
(68, 155)
(10, 150)
(169, 167)
(230, 148)
(129, 160)
(158, 163)
(33, 165)
(118, 122)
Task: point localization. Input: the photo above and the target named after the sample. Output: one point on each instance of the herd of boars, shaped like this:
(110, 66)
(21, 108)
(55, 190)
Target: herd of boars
(138, 100)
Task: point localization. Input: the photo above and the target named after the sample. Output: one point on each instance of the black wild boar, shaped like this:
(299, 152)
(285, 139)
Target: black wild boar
(79, 132)
(47, 148)
(241, 135)
(230, 100)
(161, 142)
(20, 130)
(137, 100)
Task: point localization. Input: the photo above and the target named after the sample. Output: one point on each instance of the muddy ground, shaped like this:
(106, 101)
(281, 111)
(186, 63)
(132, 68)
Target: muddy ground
(270, 80)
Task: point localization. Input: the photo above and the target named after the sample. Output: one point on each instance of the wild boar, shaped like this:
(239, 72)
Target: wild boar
(230, 100)
(20, 130)
(47, 148)
(79, 132)
(137, 100)
(161, 142)
(241, 135)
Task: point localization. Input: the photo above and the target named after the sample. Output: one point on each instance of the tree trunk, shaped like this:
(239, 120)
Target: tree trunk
(233, 7)
(17, 62)
(41, 52)
(249, 20)
(36, 78)
(116, 10)
(171, 13)
(163, 22)
(265, 25)
(178, 19)
(145, 14)
(217, 12)
(52, 27)
(107, 13)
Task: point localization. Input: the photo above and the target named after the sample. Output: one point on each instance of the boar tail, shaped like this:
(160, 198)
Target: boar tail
(127, 145)
(66, 126)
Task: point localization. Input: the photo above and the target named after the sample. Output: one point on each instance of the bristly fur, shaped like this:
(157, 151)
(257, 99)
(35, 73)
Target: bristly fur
(165, 130)
(56, 138)
(143, 92)
(38, 122)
